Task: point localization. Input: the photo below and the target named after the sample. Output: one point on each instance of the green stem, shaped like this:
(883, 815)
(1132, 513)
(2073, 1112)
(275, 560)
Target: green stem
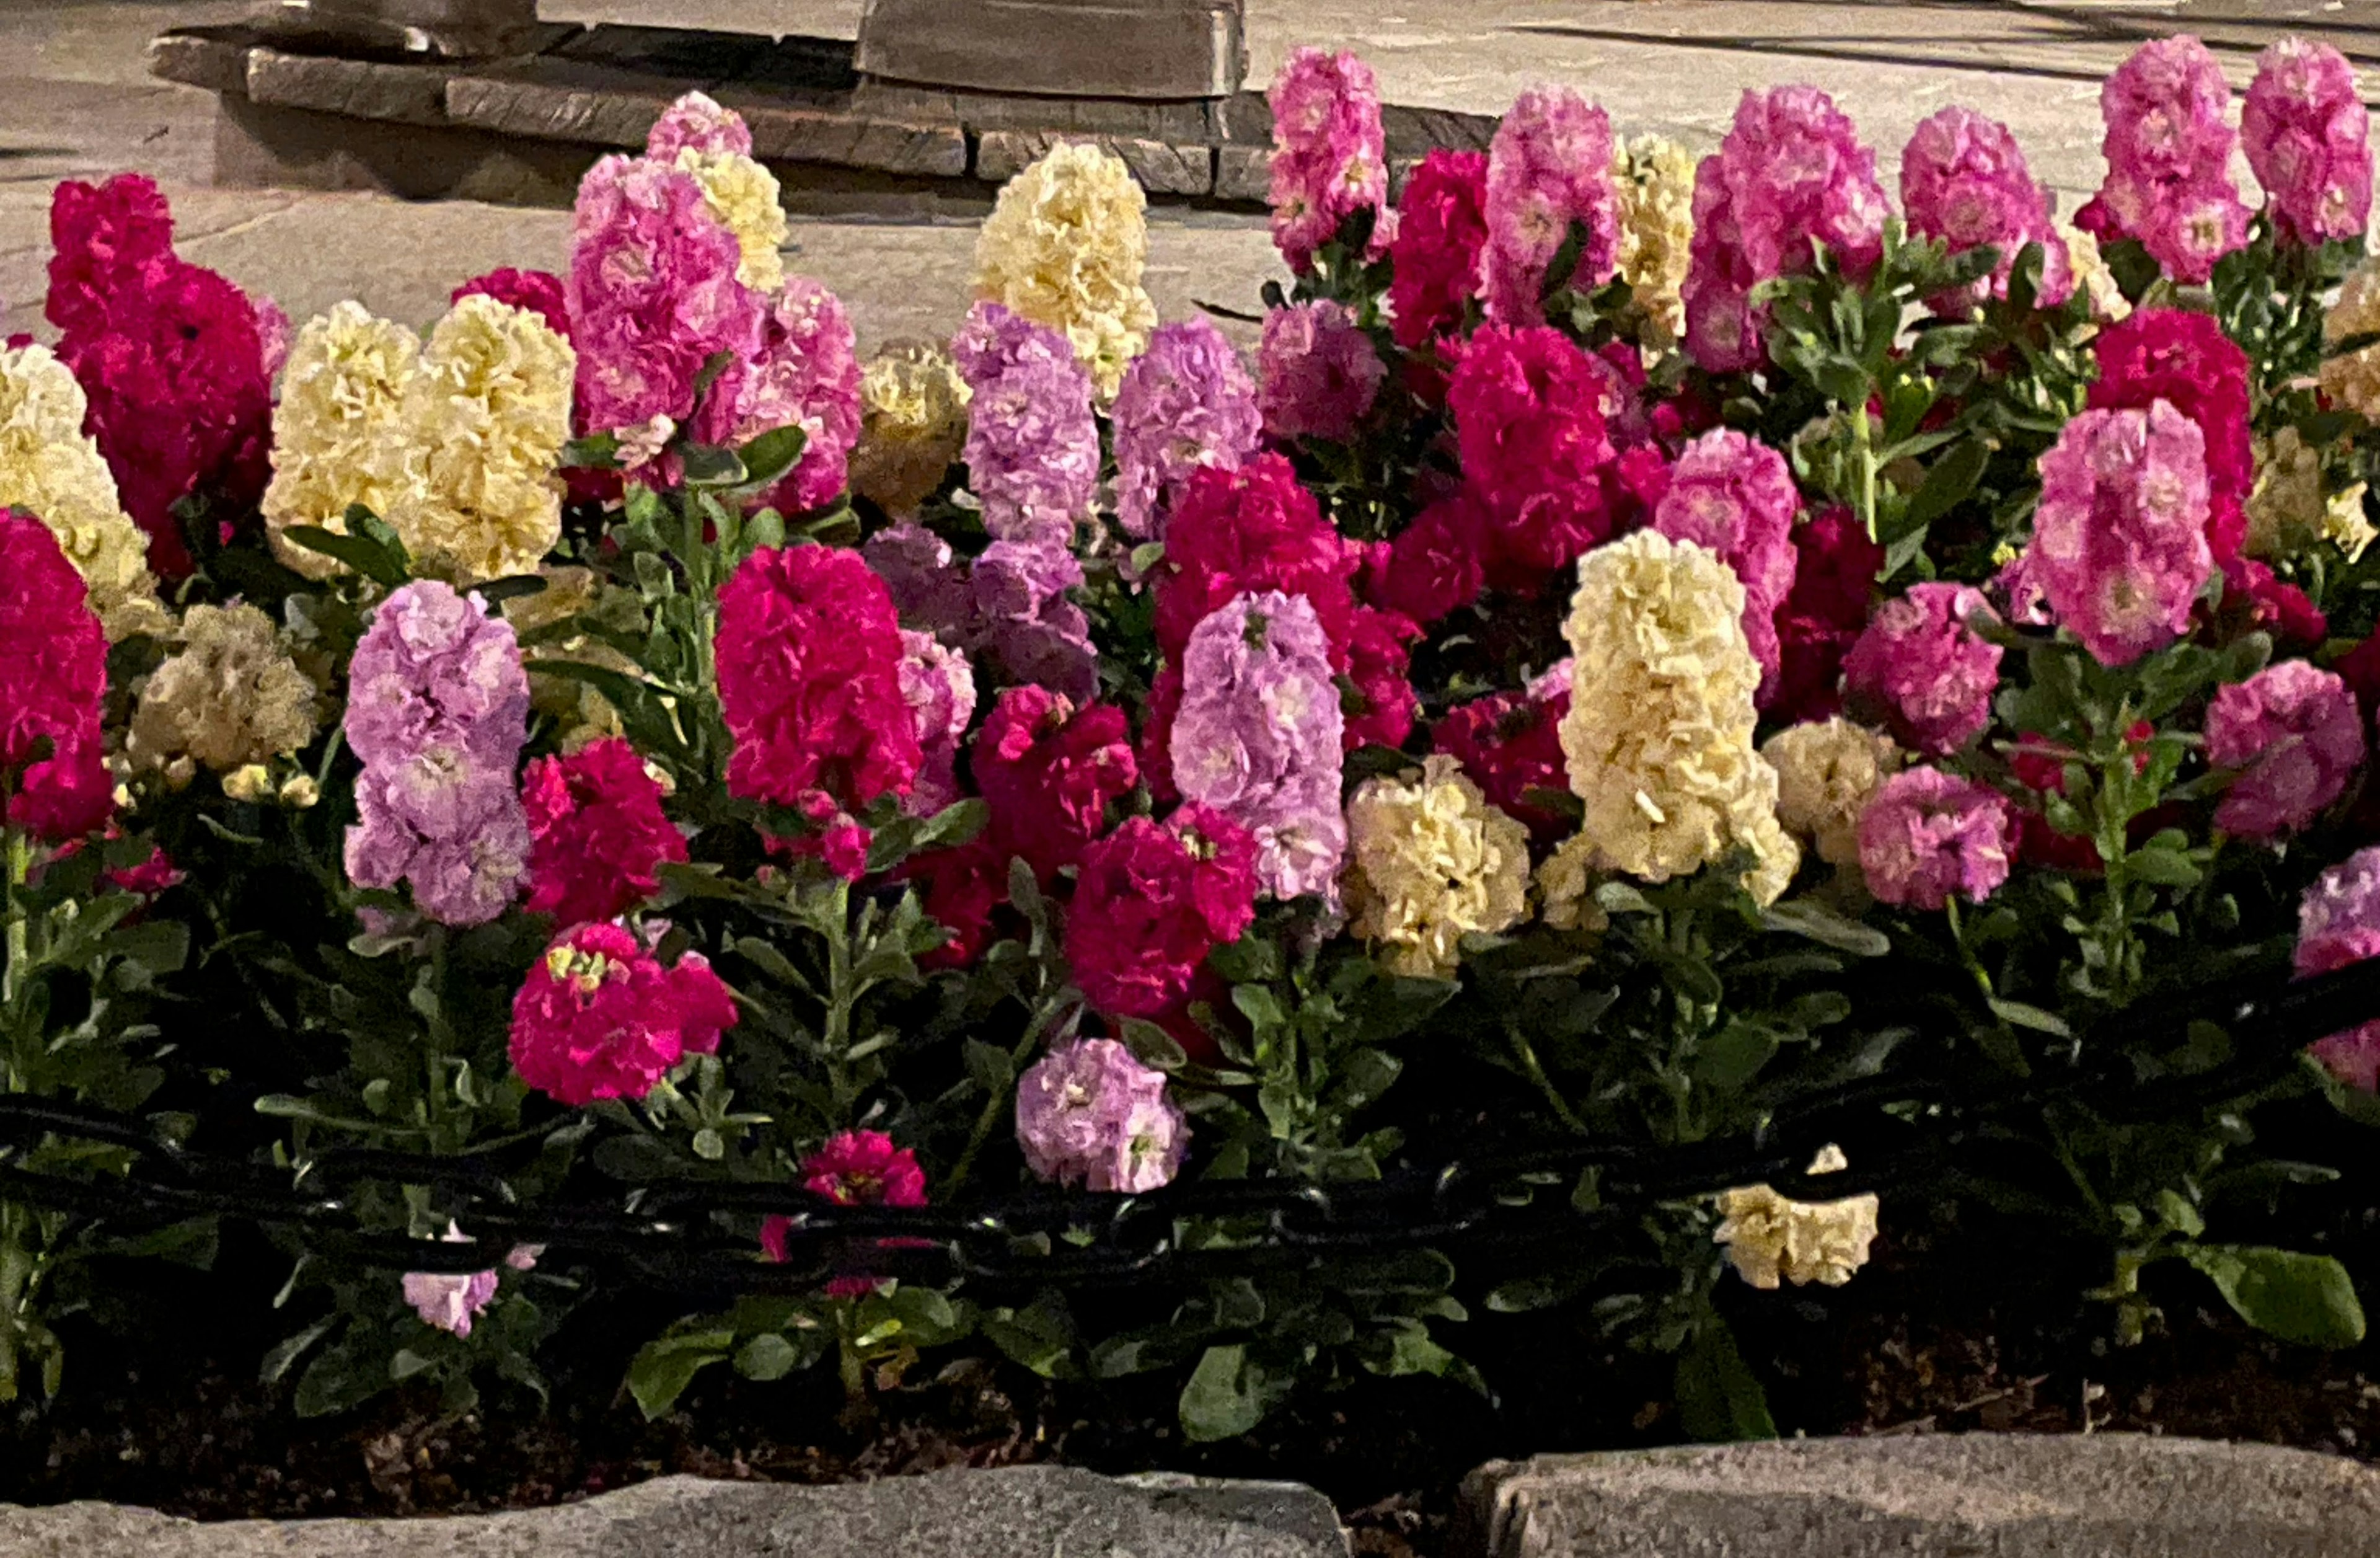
(990, 1114)
(1527, 1055)
(1864, 442)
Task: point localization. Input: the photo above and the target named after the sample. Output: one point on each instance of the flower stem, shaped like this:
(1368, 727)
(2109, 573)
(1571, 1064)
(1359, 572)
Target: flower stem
(1527, 1055)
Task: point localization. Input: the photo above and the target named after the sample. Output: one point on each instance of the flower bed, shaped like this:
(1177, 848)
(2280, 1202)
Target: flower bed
(1643, 645)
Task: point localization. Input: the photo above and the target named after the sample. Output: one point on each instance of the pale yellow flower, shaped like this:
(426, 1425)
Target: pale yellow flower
(744, 196)
(229, 699)
(2343, 523)
(1827, 773)
(2285, 511)
(1432, 862)
(337, 433)
(913, 409)
(2354, 380)
(1065, 246)
(1565, 888)
(1654, 178)
(1659, 734)
(52, 471)
(1769, 1238)
(2091, 277)
(484, 419)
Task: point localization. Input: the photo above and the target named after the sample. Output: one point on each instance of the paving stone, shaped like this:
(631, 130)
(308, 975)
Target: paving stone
(1975, 1495)
(1027, 1512)
(358, 89)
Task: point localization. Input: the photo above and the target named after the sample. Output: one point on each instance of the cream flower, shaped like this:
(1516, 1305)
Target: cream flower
(337, 436)
(1769, 1237)
(744, 196)
(52, 470)
(1827, 771)
(2285, 507)
(230, 698)
(1658, 736)
(1432, 861)
(2093, 279)
(1065, 246)
(1565, 885)
(913, 409)
(2343, 523)
(1654, 178)
(484, 419)
(2354, 380)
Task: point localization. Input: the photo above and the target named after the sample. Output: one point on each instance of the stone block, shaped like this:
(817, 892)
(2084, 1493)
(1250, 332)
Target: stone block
(1162, 169)
(212, 59)
(1992, 1496)
(265, 146)
(1064, 48)
(359, 89)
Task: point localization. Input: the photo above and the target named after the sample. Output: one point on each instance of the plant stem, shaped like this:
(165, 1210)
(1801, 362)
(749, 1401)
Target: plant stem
(990, 1114)
(1527, 1055)
(1864, 442)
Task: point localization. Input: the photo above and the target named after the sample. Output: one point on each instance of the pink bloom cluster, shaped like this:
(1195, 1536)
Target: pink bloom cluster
(2309, 140)
(809, 680)
(53, 682)
(1184, 402)
(1532, 414)
(2296, 735)
(1032, 448)
(438, 711)
(1257, 737)
(2183, 358)
(1152, 901)
(2339, 923)
(857, 1168)
(2168, 151)
(1549, 168)
(1442, 232)
(1317, 373)
(1089, 1114)
(1510, 743)
(1789, 176)
(454, 1301)
(539, 292)
(1824, 614)
(1927, 836)
(1435, 566)
(600, 1017)
(697, 123)
(1924, 669)
(1049, 770)
(171, 358)
(938, 684)
(2119, 537)
(1329, 154)
(598, 835)
(804, 373)
(1965, 181)
(1734, 496)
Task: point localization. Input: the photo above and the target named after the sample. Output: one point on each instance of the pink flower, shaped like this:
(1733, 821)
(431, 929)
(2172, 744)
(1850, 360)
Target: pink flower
(2183, 358)
(1549, 168)
(600, 1017)
(1924, 669)
(696, 122)
(805, 374)
(1789, 176)
(539, 292)
(1329, 157)
(2168, 153)
(2294, 732)
(2309, 141)
(1532, 413)
(1963, 180)
(1434, 566)
(809, 680)
(1441, 230)
(1510, 743)
(857, 1168)
(1089, 1114)
(598, 836)
(2119, 537)
(961, 887)
(1256, 527)
(1153, 900)
(451, 1301)
(1379, 654)
(2339, 924)
(1735, 497)
(52, 679)
(1317, 373)
(1049, 772)
(1928, 835)
(939, 685)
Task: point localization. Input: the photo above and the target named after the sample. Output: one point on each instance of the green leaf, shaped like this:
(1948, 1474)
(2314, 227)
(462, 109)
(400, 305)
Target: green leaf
(768, 458)
(1948, 482)
(2164, 867)
(2308, 1299)
(289, 1349)
(337, 1380)
(1719, 1399)
(989, 1066)
(1041, 1336)
(368, 557)
(768, 1356)
(161, 946)
(1225, 1397)
(2025, 1015)
(710, 466)
(1807, 918)
(1152, 1046)
(664, 1367)
(1734, 1055)
(599, 451)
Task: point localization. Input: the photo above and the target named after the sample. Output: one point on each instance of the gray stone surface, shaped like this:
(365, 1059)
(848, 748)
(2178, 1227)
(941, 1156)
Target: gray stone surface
(1976, 1496)
(1075, 48)
(1028, 1511)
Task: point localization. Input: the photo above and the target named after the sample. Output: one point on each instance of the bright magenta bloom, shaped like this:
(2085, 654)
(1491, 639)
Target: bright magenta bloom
(600, 1017)
(2294, 731)
(596, 833)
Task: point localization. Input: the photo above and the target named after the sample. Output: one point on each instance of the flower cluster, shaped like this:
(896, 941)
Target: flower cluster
(1734, 497)
(52, 470)
(228, 698)
(1827, 771)
(53, 676)
(1065, 247)
(1432, 862)
(938, 683)
(1965, 181)
(2169, 151)
(2183, 358)
(912, 419)
(1928, 835)
(1153, 900)
(2296, 734)
(1654, 178)
(1549, 170)
(1532, 418)
(2119, 541)
(1769, 1238)
(599, 1016)
(2339, 923)
(1032, 446)
(1317, 373)
(1442, 233)
(805, 374)
(2308, 139)
(598, 835)
(1184, 402)
(1924, 669)
(856, 1168)
(1329, 154)
(1089, 1114)
(1049, 771)
(1510, 743)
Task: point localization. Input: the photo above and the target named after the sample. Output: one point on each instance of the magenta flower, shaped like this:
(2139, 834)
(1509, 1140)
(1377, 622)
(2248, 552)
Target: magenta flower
(599, 1016)
(1330, 156)
(1089, 1114)
(1922, 665)
(1152, 901)
(2182, 357)
(1549, 168)
(2294, 732)
(2309, 141)
(1533, 417)
(2168, 151)
(52, 689)
(1735, 497)
(2119, 537)
(1317, 373)
(2339, 924)
(1032, 448)
(1186, 402)
(1441, 231)
(1963, 180)
(1927, 836)
(857, 1168)
(598, 836)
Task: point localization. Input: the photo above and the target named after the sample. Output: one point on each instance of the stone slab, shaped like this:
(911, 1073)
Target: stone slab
(1064, 48)
(1162, 169)
(1027, 1512)
(360, 88)
(1979, 1495)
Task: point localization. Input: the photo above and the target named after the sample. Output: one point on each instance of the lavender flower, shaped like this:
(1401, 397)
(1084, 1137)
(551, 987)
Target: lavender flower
(1090, 1114)
(1187, 402)
(1032, 447)
(939, 685)
(1008, 608)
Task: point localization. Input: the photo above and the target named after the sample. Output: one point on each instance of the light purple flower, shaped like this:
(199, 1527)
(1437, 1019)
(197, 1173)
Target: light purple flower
(2296, 734)
(451, 1301)
(2119, 544)
(1928, 835)
(2309, 140)
(1186, 402)
(1032, 447)
(1548, 166)
(1008, 608)
(1089, 1114)
(1735, 497)
(1257, 737)
(2339, 924)
(1317, 373)
(939, 685)
(1922, 665)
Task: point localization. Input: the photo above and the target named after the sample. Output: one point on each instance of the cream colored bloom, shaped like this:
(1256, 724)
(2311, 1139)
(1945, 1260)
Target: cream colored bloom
(1658, 736)
(1654, 178)
(1065, 246)
(52, 470)
(1565, 887)
(2343, 523)
(1432, 861)
(745, 197)
(338, 437)
(2285, 507)
(2091, 277)
(913, 409)
(1769, 1237)
(2354, 380)
(484, 419)
(229, 699)
(1827, 773)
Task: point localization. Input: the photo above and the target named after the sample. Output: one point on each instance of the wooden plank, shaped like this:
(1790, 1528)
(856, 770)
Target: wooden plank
(554, 98)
